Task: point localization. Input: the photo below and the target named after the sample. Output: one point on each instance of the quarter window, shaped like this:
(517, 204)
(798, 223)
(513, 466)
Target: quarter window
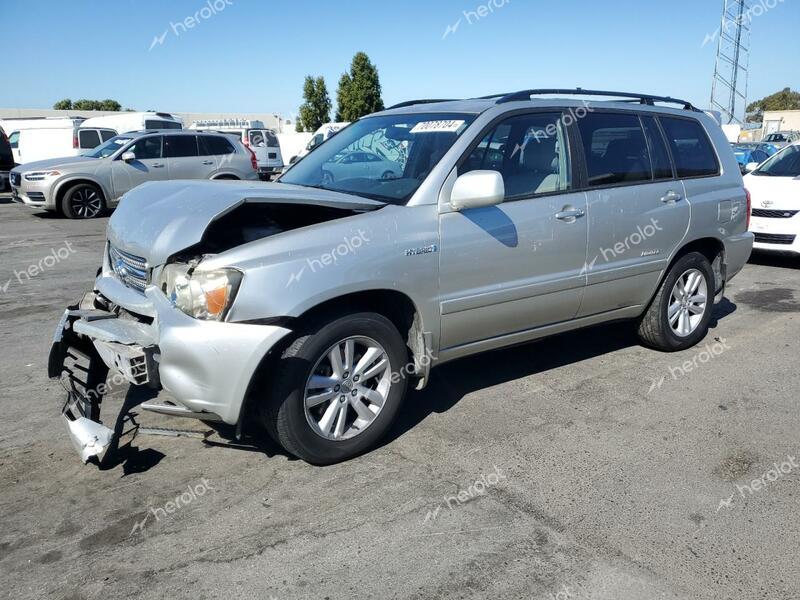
(529, 151)
(615, 148)
(177, 146)
(692, 151)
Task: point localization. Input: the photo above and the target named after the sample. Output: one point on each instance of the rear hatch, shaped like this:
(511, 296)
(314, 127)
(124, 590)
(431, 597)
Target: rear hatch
(264, 143)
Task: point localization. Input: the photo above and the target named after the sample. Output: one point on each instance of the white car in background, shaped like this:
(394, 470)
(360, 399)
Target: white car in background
(254, 135)
(358, 164)
(51, 137)
(128, 122)
(774, 188)
(324, 133)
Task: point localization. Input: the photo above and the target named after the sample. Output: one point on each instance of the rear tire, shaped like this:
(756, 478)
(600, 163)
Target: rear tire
(358, 406)
(83, 201)
(679, 315)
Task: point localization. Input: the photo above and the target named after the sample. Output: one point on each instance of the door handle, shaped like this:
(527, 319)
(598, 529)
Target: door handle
(671, 197)
(208, 162)
(570, 214)
(158, 166)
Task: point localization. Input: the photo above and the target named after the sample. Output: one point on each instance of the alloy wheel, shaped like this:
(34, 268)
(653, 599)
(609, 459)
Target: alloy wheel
(687, 303)
(348, 388)
(86, 203)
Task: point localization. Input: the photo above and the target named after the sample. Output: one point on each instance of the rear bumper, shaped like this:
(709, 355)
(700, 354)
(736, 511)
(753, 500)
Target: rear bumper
(206, 366)
(737, 252)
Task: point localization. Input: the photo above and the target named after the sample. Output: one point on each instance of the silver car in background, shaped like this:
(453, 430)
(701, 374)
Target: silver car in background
(309, 306)
(83, 187)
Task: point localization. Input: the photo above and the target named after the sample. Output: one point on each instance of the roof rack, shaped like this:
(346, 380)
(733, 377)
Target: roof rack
(640, 98)
(413, 102)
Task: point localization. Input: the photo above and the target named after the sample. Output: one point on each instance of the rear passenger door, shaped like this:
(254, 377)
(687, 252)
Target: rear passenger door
(637, 209)
(184, 160)
(218, 149)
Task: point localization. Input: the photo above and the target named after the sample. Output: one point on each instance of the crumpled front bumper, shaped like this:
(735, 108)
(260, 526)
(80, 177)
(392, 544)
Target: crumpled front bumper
(205, 366)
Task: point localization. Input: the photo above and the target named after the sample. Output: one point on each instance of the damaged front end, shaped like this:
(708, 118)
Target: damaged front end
(90, 337)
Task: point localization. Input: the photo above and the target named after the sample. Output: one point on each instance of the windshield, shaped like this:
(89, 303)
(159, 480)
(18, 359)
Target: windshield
(109, 148)
(783, 164)
(381, 158)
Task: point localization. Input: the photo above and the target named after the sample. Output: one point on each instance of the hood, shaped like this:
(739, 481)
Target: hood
(158, 219)
(65, 162)
(780, 193)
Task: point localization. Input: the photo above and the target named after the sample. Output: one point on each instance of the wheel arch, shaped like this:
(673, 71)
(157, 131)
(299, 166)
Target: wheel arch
(710, 247)
(63, 186)
(396, 306)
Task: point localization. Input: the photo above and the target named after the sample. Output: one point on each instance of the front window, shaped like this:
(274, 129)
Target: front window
(110, 147)
(381, 158)
(783, 164)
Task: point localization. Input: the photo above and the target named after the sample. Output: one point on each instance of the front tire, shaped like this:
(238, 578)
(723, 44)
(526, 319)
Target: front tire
(679, 315)
(339, 388)
(83, 201)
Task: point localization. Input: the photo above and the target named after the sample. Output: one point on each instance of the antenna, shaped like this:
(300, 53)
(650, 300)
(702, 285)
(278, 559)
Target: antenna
(731, 69)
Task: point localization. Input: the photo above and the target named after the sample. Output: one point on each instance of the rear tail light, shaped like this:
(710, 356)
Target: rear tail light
(749, 206)
(75, 140)
(253, 160)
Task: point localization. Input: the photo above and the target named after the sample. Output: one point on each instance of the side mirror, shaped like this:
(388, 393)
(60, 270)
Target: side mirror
(477, 189)
(128, 157)
(750, 167)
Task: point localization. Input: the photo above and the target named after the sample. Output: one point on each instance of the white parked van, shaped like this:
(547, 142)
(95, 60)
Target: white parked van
(328, 130)
(127, 122)
(51, 137)
(254, 135)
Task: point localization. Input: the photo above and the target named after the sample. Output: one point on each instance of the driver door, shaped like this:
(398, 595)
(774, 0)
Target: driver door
(508, 269)
(147, 166)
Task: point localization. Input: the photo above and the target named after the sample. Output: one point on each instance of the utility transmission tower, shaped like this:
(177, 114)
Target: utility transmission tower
(733, 61)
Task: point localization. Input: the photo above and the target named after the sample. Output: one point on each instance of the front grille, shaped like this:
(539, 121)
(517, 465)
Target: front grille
(774, 238)
(130, 269)
(15, 179)
(774, 214)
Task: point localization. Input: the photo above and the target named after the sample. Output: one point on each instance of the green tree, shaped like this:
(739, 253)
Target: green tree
(108, 104)
(85, 104)
(65, 104)
(359, 90)
(316, 110)
(786, 99)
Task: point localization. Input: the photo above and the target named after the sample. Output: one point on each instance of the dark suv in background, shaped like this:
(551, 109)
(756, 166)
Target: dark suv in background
(6, 160)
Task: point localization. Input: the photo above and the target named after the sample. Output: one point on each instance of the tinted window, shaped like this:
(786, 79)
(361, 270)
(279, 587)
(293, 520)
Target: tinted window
(13, 139)
(272, 139)
(147, 148)
(529, 151)
(162, 125)
(107, 134)
(615, 148)
(659, 157)
(176, 146)
(257, 138)
(214, 145)
(691, 149)
(6, 157)
(89, 138)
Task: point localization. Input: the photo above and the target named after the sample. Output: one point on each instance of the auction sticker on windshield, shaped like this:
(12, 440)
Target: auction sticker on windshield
(437, 127)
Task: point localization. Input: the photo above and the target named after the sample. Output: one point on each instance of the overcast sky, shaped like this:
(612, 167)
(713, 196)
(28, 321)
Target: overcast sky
(249, 55)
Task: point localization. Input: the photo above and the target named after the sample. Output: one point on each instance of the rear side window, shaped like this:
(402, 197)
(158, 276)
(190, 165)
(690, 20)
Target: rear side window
(659, 157)
(162, 125)
(89, 138)
(107, 134)
(691, 149)
(177, 146)
(615, 148)
(214, 145)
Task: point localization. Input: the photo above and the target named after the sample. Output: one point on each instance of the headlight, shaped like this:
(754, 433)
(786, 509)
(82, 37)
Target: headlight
(200, 294)
(40, 175)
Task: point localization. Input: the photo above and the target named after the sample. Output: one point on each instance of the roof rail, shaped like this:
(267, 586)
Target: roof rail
(641, 98)
(413, 102)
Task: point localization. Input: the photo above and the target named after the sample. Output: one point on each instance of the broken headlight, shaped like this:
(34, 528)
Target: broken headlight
(204, 295)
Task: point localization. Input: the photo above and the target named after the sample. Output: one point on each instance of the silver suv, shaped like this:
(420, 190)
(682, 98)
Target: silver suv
(310, 305)
(82, 187)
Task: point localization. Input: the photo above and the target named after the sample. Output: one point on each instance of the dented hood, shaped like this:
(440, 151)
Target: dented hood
(158, 219)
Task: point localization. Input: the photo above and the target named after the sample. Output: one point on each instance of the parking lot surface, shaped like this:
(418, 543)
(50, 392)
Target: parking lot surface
(582, 466)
